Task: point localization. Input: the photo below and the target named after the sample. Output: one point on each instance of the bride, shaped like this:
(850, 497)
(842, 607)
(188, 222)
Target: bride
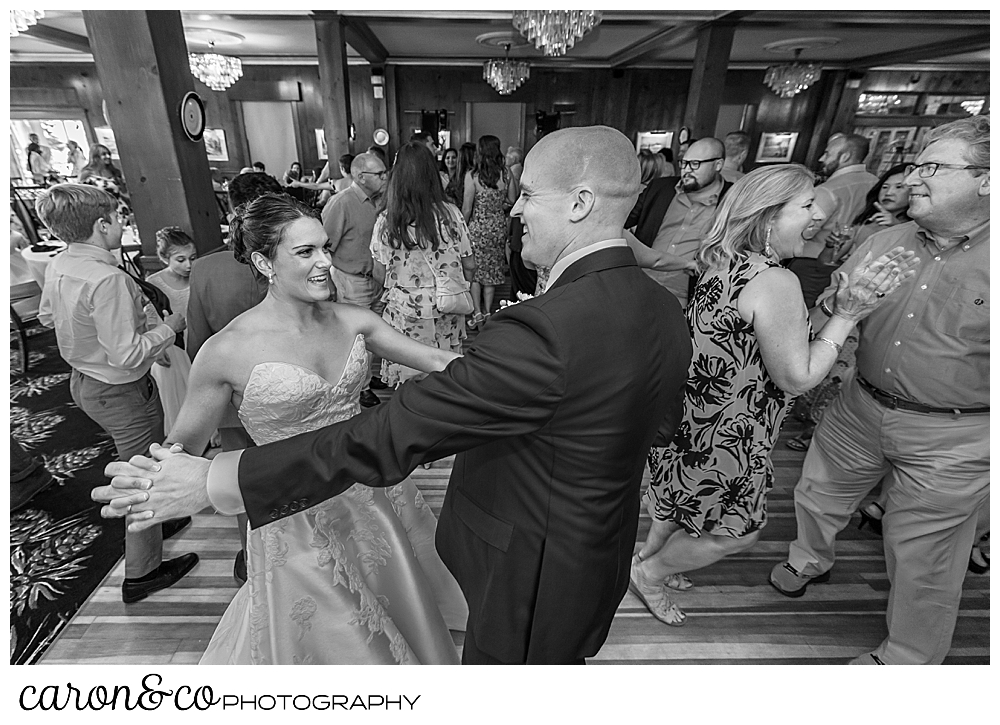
(355, 579)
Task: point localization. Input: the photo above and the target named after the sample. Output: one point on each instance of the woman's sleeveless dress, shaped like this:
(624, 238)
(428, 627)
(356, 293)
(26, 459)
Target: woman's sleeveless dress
(352, 580)
(488, 233)
(714, 475)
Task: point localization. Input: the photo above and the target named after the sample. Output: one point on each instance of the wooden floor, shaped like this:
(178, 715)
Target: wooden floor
(735, 617)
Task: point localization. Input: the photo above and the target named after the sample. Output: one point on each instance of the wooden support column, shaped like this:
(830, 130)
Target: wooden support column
(142, 62)
(334, 86)
(708, 78)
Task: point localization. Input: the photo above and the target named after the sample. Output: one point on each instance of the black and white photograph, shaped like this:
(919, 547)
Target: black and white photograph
(379, 335)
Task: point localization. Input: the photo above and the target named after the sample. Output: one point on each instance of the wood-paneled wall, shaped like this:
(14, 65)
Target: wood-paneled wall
(630, 99)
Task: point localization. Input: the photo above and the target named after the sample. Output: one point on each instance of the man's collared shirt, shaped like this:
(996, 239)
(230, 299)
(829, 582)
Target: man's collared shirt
(98, 315)
(562, 264)
(349, 218)
(929, 342)
(841, 198)
(684, 226)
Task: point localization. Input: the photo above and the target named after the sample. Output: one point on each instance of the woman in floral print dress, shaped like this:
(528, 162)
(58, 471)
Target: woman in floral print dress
(487, 187)
(753, 352)
(418, 230)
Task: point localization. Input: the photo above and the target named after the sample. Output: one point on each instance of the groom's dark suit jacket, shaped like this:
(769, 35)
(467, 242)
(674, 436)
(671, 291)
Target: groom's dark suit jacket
(552, 412)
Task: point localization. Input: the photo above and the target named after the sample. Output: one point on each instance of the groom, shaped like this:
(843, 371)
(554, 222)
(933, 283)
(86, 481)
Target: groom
(552, 412)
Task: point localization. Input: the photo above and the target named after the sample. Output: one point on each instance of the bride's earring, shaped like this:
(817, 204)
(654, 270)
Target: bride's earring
(270, 277)
(768, 252)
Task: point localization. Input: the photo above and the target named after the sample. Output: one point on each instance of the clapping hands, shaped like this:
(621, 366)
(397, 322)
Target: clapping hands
(884, 218)
(863, 290)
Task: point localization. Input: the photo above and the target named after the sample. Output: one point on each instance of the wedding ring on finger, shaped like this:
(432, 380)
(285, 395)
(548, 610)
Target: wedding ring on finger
(128, 509)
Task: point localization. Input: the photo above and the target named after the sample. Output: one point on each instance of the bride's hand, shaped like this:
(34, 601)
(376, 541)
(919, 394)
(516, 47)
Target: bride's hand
(171, 485)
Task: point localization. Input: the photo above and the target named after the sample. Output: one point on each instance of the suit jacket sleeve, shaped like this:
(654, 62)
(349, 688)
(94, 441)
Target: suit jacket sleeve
(508, 384)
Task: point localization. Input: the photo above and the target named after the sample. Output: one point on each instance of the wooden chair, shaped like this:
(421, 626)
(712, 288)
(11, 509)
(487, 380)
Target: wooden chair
(24, 299)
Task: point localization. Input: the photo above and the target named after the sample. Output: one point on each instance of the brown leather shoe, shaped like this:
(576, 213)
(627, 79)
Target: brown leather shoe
(167, 574)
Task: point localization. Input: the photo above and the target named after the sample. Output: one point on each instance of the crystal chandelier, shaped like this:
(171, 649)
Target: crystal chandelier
(218, 72)
(506, 75)
(791, 78)
(21, 20)
(555, 31)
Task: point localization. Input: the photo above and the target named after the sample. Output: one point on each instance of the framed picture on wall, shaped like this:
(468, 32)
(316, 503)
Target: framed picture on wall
(653, 140)
(321, 142)
(776, 148)
(106, 137)
(215, 144)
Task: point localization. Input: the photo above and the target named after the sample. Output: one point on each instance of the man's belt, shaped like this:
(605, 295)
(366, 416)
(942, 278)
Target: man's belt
(895, 403)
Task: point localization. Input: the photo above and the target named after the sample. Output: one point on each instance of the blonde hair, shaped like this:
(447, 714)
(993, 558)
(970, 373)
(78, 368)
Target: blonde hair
(70, 210)
(748, 210)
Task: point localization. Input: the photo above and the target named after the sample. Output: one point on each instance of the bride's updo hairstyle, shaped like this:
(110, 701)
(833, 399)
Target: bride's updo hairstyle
(259, 226)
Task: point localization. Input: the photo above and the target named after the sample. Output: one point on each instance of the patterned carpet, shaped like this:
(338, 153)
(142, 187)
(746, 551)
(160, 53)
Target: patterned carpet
(60, 548)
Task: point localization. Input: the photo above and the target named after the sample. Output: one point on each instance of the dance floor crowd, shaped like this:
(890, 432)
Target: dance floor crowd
(666, 316)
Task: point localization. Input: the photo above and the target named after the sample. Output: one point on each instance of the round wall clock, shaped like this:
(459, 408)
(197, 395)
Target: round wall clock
(192, 116)
(381, 136)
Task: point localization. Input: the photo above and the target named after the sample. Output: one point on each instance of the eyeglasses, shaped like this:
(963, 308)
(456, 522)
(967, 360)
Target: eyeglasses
(379, 174)
(694, 164)
(926, 171)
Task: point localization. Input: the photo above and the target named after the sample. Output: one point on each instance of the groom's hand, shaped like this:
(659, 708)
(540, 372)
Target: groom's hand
(148, 491)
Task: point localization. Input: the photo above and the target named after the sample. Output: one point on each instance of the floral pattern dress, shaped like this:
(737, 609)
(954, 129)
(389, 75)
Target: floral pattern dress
(488, 231)
(715, 474)
(410, 291)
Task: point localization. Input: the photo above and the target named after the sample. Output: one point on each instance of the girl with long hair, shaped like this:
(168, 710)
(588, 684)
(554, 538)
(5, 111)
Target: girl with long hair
(488, 187)
(417, 237)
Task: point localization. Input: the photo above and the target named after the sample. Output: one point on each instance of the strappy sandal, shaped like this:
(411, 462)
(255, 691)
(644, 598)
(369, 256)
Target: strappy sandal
(654, 598)
(679, 582)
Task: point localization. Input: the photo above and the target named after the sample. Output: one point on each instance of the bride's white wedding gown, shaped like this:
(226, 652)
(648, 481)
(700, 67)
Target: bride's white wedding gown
(352, 580)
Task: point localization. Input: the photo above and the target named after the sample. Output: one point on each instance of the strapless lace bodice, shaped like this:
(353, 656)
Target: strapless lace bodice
(282, 400)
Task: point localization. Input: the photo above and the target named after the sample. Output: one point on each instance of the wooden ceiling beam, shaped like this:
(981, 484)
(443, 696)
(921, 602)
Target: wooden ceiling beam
(360, 37)
(673, 37)
(63, 39)
(930, 51)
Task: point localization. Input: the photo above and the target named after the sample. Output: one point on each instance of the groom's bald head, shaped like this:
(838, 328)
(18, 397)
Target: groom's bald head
(598, 157)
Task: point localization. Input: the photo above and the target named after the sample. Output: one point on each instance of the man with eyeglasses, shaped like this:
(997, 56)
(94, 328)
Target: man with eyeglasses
(349, 218)
(676, 213)
(917, 408)
(838, 200)
(98, 314)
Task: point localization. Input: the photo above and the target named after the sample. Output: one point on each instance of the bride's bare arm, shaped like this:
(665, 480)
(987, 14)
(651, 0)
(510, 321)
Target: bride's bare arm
(208, 394)
(385, 342)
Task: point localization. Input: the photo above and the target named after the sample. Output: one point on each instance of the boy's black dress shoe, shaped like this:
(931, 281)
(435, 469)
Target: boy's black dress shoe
(369, 399)
(377, 384)
(168, 573)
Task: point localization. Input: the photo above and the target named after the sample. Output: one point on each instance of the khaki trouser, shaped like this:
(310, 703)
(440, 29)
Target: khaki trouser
(132, 415)
(938, 467)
